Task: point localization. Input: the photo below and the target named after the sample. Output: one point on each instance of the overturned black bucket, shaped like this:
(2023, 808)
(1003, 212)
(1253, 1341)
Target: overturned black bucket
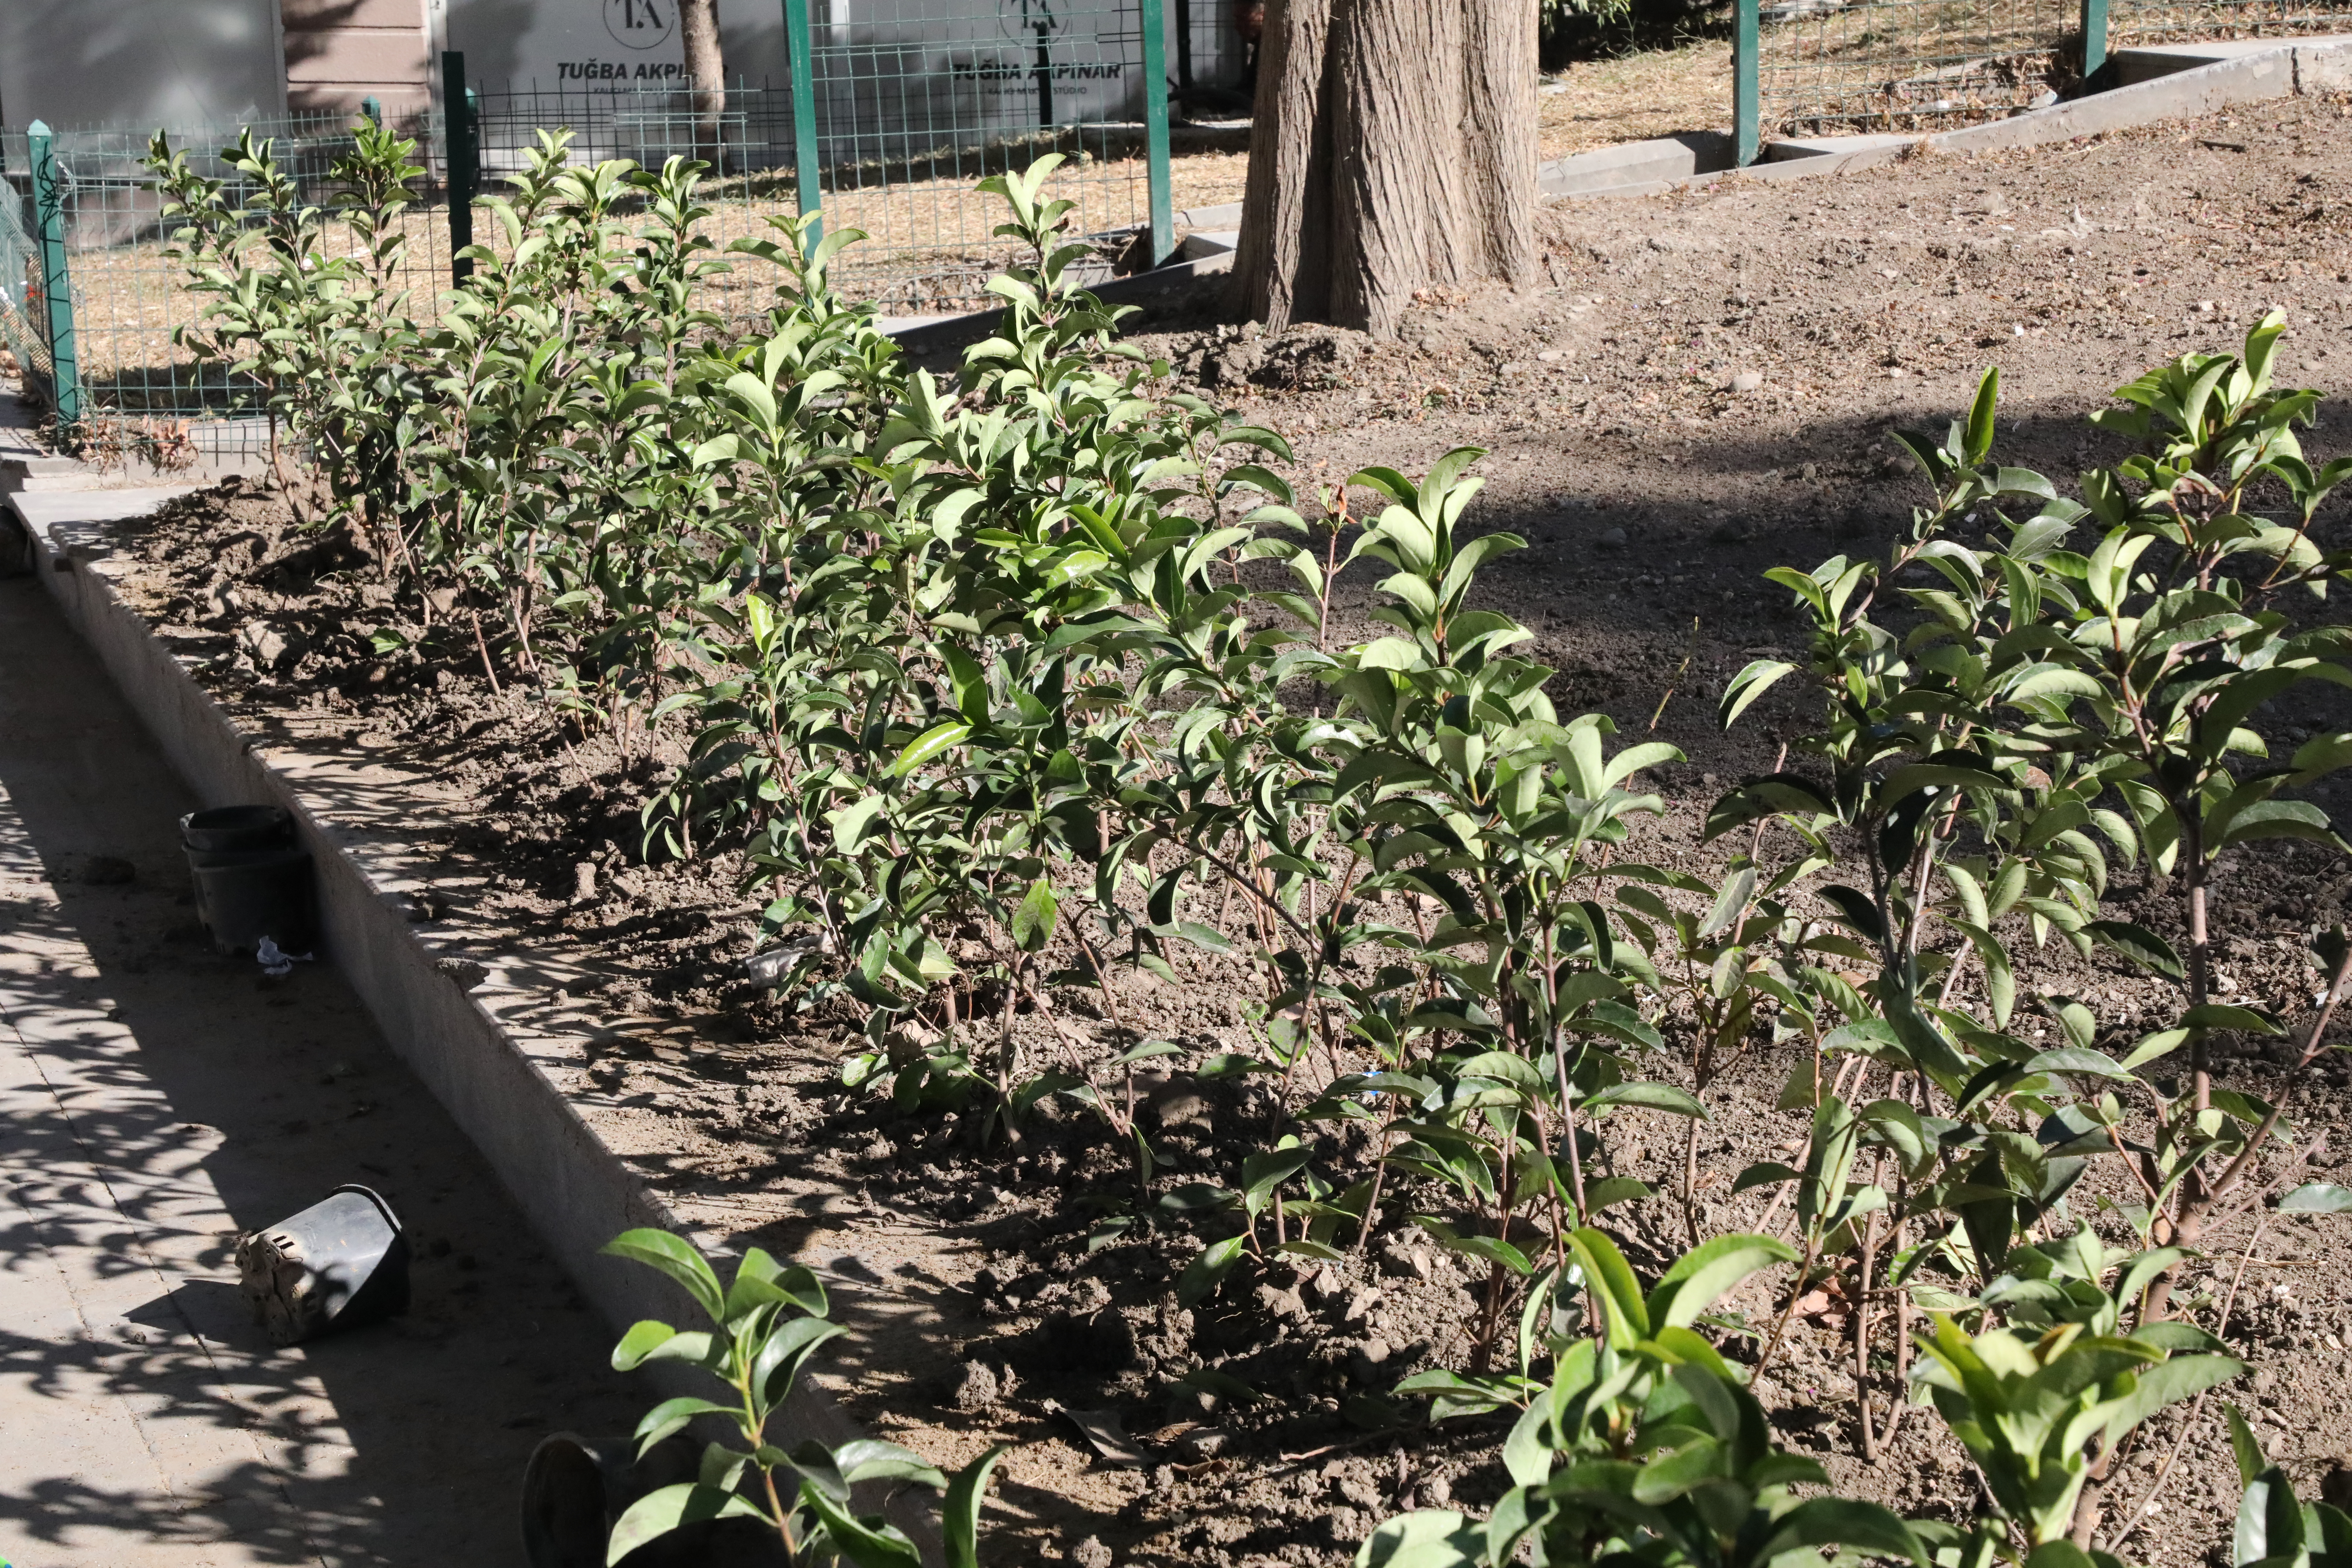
(253, 881)
(341, 1263)
(573, 1493)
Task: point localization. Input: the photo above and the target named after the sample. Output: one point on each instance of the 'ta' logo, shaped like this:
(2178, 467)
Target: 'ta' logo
(1028, 18)
(641, 24)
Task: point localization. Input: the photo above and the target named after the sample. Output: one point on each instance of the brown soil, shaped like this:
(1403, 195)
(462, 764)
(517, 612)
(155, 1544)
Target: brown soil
(1651, 495)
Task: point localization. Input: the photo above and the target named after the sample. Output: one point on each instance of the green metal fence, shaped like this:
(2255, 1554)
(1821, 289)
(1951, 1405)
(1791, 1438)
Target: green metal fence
(89, 211)
(1823, 68)
(21, 293)
(1817, 67)
(885, 127)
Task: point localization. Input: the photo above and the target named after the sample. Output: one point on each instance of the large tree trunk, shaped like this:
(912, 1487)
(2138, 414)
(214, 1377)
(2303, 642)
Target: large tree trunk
(1394, 148)
(706, 72)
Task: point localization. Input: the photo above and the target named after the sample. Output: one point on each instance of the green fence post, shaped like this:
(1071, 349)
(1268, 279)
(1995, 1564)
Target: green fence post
(1155, 131)
(797, 48)
(462, 153)
(1747, 100)
(2094, 38)
(57, 285)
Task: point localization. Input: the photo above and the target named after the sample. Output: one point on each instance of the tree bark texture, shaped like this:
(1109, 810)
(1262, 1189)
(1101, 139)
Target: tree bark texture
(705, 72)
(1393, 149)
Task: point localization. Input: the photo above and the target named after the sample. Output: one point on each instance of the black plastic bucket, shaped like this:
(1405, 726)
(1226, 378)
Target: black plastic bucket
(341, 1263)
(243, 894)
(567, 1493)
(252, 880)
(573, 1493)
(238, 827)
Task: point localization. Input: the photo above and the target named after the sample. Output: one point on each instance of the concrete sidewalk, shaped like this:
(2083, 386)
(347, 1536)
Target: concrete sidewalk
(155, 1100)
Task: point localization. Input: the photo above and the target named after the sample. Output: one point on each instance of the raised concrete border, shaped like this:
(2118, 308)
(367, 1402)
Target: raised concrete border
(2176, 83)
(573, 1190)
(1205, 252)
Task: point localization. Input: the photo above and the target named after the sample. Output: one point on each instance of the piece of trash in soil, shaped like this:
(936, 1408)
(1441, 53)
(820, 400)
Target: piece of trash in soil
(275, 960)
(775, 966)
(1103, 1432)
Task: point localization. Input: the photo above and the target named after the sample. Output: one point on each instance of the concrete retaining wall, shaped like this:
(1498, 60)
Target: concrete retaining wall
(575, 1192)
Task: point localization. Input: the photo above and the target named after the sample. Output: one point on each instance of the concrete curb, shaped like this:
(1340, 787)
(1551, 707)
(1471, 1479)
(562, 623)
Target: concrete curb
(576, 1192)
(2250, 75)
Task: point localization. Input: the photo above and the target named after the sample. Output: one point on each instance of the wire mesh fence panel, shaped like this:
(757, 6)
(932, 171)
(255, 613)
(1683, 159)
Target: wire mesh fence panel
(21, 332)
(131, 298)
(2180, 21)
(1897, 66)
(745, 136)
(912, 102)
(916, 100)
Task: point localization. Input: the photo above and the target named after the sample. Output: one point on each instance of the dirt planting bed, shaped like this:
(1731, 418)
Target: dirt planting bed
(1701, 387)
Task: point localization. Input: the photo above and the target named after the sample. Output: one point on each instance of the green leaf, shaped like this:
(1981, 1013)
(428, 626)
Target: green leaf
(2139, 944)
(2244, 1446)
(671, 1415)
(1647, 1096)
(1427, 1539)
(939, 738)
(1610, 1191)
(677, 1257)
(1488, 1249)
(1698, 1277)
(2223, 1016)
(1748, 686)
(2071, 1059)
(852, 822)
(959, 1515)
(866, 1544)
(2316, 1197)
(1262, 1172)
(1612, 1279)
(1976, 444)
(658, 1513)
(1032, 919)
(1842, 1522)
(1208, 1270)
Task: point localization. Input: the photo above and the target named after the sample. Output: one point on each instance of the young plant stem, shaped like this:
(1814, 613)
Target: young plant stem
(1796, 1293)
(1871, 1237)
(2199, 1206)
(2139, 1513)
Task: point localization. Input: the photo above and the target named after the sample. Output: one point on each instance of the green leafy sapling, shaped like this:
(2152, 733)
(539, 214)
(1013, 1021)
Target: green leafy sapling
(765, 1326)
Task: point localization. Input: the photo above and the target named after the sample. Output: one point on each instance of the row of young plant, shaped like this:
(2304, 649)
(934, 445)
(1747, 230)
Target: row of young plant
(1027, 679)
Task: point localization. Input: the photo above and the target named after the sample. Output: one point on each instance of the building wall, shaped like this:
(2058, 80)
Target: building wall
(139, 62)
(341, 52)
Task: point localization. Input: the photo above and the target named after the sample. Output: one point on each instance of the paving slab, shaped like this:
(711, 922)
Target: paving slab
(156, 1099)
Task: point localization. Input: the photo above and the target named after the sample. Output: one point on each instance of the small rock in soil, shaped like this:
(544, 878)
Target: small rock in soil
(107, 871)
(1747, 381)
(264, 643)
(1091, 1553)
(1284, 1304)
(1402, 1262)
(464, 970)
(1207, 1443)
(1612, 538)
(977, 1390)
